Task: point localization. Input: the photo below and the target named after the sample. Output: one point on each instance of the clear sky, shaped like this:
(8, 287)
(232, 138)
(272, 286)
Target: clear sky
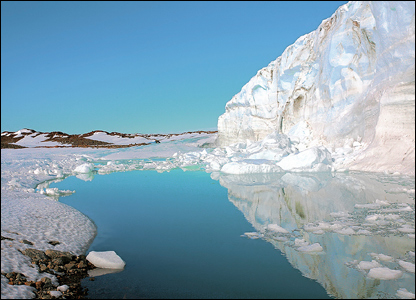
(139, 67)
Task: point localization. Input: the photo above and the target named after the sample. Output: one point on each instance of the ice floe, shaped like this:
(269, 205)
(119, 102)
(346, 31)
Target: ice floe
(106, 259)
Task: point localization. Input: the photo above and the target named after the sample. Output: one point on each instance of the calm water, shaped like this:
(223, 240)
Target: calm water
(180, 237)
(180, 233)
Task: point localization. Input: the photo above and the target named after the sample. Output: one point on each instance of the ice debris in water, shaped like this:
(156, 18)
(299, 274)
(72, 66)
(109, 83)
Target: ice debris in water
(408, 266)
(316, 247)
(55, 192)
(276, 228)
(384, 273)
(84, 168)
(382, 257)
(301, 242)
(366, 265)
(106, 260)
(253, 235)
(403, 293)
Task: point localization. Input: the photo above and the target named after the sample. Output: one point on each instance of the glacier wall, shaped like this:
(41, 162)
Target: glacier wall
(350, 80)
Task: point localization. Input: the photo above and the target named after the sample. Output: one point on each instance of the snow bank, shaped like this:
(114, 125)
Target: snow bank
(118, 140)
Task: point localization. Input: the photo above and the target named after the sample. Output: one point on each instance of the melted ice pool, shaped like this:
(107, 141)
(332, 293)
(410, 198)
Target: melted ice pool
(186, 235)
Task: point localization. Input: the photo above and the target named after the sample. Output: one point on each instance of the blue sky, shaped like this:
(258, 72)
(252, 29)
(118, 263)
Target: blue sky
(139, 67)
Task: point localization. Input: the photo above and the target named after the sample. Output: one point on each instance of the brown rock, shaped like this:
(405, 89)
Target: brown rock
(58, 261)
(46, 280)
(69, 266)
(35, 254)
(43, 268)
(26, 242)
(65, 256)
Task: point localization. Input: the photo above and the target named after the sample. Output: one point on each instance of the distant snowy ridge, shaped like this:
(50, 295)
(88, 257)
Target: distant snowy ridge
(351, 82)
(98, 138)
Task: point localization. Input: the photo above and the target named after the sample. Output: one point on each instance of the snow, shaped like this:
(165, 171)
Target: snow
(117, 140)
(106, 260)
(36, 140)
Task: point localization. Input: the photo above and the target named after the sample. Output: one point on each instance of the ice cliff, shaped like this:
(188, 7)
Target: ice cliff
(349, 83)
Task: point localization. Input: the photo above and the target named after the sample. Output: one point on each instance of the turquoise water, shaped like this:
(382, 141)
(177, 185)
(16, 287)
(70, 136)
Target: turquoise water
(180, 236)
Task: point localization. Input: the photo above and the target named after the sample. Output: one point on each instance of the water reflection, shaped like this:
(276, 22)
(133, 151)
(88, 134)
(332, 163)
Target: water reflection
(362, 222)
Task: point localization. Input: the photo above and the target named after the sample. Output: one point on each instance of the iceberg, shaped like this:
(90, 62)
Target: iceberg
(347, 86)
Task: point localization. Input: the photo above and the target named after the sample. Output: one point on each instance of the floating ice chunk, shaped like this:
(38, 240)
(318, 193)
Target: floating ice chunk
(339, 214)
(301, 242)
(374, 205)
(363, 232)
(402, 293)
(406, 229)
(316, 159)
(311, 248)
(391, 217)
(319, 229)
(280, 238)
(382, 257)
(382, 202)
(336, 227)
(366, 265)
(372, 218)
(392, 210)
(215, 166)
(384, 273)
(345, 231)
(250, 167)
(408, 266)
(106, 260)
(84, 168)
(253, 235)
(55, 192)
(276, 228)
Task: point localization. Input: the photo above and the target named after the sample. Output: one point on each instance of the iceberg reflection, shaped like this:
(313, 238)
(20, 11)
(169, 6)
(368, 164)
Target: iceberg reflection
(353, 233)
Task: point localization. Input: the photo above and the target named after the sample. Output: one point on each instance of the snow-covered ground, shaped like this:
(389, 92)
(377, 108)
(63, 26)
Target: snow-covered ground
(29, 210)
